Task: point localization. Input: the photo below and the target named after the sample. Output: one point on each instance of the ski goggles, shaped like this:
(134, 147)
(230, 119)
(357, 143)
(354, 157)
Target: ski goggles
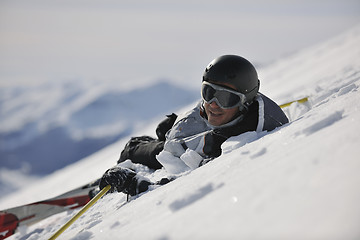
(224, 97)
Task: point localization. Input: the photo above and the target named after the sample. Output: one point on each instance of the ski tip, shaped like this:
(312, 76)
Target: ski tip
(8, 224)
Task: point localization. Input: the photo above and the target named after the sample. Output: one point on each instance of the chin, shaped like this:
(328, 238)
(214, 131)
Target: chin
(215, 122)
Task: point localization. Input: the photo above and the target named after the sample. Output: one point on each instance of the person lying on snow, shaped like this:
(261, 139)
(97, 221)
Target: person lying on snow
(231, 105)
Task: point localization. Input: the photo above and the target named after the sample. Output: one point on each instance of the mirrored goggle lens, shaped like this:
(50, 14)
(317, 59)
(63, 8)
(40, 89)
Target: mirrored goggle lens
(225, 98)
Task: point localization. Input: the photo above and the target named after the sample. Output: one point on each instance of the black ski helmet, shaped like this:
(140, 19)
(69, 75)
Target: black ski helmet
(236, 71)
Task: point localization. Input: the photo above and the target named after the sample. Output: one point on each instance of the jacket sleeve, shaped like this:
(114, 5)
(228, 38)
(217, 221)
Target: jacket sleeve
(270, 114)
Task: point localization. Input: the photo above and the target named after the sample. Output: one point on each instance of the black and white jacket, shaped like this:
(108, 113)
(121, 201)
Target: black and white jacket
(192, 138)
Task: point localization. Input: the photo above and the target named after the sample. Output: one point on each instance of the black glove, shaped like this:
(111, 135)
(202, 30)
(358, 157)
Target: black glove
(212, 145)
(165, 126)
(124, 180)
(215, 138)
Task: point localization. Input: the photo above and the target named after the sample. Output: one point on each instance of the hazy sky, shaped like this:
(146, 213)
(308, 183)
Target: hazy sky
(142, 40)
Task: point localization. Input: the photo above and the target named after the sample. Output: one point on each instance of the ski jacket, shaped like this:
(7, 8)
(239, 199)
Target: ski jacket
(192, 138)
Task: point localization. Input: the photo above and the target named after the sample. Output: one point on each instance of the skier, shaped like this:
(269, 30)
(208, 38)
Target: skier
(231, 105)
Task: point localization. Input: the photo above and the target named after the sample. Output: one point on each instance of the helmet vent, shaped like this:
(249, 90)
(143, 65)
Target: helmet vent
(208, 68)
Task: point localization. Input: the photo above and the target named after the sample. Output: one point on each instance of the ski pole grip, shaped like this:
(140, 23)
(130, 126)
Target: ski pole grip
(81, 212)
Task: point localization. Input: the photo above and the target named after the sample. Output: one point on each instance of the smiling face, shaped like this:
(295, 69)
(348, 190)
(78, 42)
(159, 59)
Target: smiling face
(218, 116)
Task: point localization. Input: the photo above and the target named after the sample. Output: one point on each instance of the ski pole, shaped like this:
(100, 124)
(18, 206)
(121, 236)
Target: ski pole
(81, 212)
(302, 100)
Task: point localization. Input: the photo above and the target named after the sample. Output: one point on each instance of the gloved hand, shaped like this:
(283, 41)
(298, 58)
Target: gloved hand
(124, 180)
(216, 137)
(212, 144)
(165, 126)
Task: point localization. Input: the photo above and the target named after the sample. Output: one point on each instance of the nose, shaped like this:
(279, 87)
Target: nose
(214, 105)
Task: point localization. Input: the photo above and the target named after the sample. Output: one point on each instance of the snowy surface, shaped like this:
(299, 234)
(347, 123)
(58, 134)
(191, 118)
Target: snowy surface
(300, 181)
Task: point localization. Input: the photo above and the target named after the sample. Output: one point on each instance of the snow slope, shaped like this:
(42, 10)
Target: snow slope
(300, 181)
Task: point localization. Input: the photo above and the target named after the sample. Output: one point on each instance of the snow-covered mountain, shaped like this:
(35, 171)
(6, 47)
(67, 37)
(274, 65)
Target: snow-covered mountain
(300, 181)
(44, 128)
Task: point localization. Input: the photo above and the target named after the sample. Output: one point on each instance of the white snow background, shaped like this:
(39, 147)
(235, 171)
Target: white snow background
(300, 181)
